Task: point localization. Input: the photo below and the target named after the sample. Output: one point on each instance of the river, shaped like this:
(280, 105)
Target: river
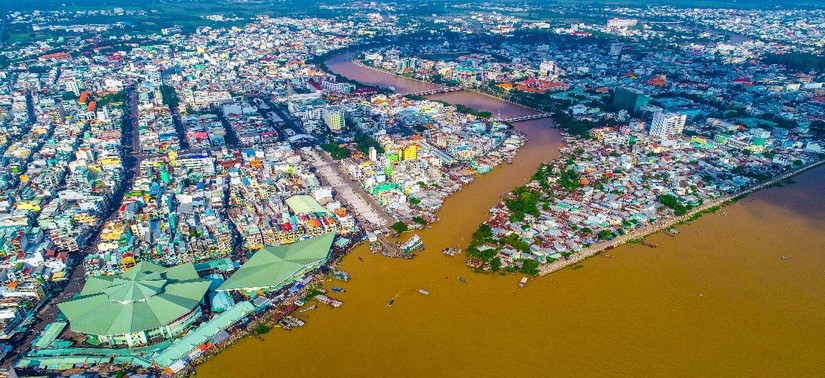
(717, 299)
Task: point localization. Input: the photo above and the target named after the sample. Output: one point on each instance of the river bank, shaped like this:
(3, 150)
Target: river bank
(714, 300)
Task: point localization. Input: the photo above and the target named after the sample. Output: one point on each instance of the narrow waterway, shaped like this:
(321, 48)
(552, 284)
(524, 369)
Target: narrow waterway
(717, 299)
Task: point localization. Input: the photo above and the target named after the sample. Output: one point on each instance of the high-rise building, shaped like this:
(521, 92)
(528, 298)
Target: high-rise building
(667, 126)
(373, 154)
(630, 100)
(334, 118)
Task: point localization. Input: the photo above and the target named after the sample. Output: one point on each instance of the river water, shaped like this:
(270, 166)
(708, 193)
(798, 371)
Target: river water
(717, 299)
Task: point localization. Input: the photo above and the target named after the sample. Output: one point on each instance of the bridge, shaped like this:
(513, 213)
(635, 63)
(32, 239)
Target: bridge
(436, 91)
(525, 118)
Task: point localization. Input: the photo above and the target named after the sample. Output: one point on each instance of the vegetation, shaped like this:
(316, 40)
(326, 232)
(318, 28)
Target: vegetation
(530, 267)
(468, 110)
(569, 180)
(117, 97)
(170, 97)
(400, 227)
(672, 202)
(364, 142)
(336, 151)
(261, 329)
(69, 96)
(525, 201)
(804, 62)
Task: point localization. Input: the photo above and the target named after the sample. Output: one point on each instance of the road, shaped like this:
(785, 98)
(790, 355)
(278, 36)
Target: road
(363, 206)
(65, 290)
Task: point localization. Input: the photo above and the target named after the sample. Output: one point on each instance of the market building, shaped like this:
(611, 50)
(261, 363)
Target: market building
(145, 304)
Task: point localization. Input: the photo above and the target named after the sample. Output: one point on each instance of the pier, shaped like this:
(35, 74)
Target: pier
(388, 248)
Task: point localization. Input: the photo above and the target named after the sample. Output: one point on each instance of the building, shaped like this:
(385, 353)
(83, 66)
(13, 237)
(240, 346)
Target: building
(630, 99)
(667, 126)
(146, 303)
(621, 22)
(334, 118)
(274, 267)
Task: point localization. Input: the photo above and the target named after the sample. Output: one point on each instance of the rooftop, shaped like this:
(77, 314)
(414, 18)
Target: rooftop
(145, 297)
(274, 266)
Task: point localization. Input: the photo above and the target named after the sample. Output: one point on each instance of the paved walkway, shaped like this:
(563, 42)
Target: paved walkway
(362, 205)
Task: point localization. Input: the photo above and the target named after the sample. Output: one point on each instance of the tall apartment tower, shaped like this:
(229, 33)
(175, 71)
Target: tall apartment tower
(334, 118)
(667, 126)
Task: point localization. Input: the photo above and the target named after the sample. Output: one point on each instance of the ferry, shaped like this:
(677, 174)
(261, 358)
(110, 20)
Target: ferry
(412, 244)
(522, 282)
(423, 292)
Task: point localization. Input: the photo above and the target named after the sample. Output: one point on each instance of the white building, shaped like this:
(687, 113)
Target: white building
(621, 22)
(667, 126)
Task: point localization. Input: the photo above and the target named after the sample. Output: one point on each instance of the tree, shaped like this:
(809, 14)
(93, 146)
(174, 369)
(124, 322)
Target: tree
(530, 267)
(400, 227)
(419, 220)
(605, 234)
(336, 151)
(495, 263)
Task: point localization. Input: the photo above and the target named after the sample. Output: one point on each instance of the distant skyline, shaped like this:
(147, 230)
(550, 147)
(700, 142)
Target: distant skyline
(57, 4)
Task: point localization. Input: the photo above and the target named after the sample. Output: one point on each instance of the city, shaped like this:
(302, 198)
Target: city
(180, 180)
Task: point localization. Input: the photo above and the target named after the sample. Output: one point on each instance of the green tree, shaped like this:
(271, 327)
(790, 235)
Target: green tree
(495, 263)
(530, 267)
(400, 227)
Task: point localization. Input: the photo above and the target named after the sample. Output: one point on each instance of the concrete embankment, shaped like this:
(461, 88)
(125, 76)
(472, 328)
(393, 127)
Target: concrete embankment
(668, 222)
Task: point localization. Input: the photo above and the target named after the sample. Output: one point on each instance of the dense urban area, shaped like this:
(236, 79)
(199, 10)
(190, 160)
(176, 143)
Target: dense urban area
(172, 184)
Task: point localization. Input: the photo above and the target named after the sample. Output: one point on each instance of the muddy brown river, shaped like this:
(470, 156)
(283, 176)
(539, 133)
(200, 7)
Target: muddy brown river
(717, 299)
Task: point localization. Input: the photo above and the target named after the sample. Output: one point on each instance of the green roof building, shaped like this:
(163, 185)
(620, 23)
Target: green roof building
(273, 267)
(146, 303)
(302, 204)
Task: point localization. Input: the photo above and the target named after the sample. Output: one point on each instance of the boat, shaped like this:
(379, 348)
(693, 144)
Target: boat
(391, 302)
(339, 289)
(300, 302)
(451, 251)
(785, 258)
(341, 275)
(310, 308)
(423, 292)
(412, 244)
(361, 259)
(522, 282)
(331, 302)
(460, 278)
